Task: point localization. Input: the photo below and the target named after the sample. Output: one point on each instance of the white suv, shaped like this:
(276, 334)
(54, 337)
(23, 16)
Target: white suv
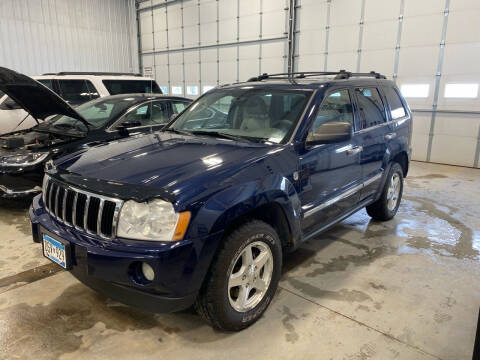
(75, 88)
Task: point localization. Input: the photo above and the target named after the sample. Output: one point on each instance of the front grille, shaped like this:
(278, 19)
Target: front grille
(89, 212)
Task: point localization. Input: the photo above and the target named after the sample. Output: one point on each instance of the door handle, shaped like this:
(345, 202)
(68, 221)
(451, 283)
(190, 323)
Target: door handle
(390, 136)
(355, 150)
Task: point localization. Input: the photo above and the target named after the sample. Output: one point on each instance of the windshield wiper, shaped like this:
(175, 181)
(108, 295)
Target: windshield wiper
(220, 135)
(181, 132)
(217, 134)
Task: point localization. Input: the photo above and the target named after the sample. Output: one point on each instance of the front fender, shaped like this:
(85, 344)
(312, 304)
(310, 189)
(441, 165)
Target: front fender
(224, 207)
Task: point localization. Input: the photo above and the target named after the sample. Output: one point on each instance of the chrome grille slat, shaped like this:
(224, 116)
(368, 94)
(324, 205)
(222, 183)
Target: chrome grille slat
(85, 214)
(62, 201)
(99, 217)
(64, 205)
(74, 210)
(57, 190)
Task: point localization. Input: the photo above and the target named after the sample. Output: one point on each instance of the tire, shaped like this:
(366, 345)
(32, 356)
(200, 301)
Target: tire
(383, 209)
(219, 302)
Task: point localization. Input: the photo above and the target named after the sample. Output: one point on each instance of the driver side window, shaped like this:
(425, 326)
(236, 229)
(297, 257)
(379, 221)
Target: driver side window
(335, 107)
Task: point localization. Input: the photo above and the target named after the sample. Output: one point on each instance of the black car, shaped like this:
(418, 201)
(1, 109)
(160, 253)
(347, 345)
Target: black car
(64, 129)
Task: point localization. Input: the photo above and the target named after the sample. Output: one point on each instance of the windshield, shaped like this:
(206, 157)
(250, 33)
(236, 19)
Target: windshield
(115, 87)
(258, 114)
(98, 113)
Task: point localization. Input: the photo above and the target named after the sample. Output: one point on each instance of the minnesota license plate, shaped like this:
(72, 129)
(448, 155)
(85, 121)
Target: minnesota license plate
(55, 251)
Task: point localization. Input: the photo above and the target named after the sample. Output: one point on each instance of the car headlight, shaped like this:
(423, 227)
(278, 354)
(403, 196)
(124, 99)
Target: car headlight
(155, 220)
(28, 159)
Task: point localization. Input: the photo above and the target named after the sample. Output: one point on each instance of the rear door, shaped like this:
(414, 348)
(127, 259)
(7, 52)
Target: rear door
(373, 128)
(330, 174)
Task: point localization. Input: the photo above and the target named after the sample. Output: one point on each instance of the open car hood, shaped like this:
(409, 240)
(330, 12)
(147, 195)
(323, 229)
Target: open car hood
(38, 100)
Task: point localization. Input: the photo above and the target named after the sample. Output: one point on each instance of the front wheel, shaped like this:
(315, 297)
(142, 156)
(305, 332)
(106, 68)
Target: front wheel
(387, 205)
(243, 277)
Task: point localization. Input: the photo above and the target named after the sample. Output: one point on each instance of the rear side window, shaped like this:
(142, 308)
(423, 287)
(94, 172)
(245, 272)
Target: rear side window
(115, 87)
(370, 107)
(77, 92)
(337, 106)
(397, 110)
(178, 106)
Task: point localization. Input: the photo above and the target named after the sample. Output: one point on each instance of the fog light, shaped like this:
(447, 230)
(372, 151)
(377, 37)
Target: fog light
(148, 271)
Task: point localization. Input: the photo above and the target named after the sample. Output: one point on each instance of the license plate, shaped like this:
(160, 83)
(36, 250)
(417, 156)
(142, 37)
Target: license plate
(55, 251)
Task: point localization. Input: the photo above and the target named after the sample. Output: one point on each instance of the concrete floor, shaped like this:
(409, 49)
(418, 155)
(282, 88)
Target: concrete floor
(405, 289)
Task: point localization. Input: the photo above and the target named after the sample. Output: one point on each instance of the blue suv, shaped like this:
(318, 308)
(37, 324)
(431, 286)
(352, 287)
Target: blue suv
(202, 211)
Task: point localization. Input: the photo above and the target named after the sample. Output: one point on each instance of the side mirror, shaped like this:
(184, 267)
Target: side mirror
(330, 132)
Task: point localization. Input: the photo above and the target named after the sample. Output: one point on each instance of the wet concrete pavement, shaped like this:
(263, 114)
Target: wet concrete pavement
(404, 289)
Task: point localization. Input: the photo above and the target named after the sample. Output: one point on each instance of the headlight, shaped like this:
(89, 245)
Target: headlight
(24, 159)
(155, 220)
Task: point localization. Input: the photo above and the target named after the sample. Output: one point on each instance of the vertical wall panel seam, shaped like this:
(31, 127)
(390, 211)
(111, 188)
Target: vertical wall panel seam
(218, 41)
(292, 8)
(168, 47)
(199, 51)
(260, 35)
(477, 151)
(183, 48)
(139, 38)
(438, 76)
(238, 40)
(285, 33)
(399, 40)
(154, 72)
(327, 34)
(360, 35)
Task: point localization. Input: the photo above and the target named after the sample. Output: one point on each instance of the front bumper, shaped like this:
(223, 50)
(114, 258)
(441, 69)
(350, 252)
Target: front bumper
(21, 184)
(110, 266)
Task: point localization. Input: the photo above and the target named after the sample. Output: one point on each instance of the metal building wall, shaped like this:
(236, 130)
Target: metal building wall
(193, 44)
(39, 36)
(434, 42)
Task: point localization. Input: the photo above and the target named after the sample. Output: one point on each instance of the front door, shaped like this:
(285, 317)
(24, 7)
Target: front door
(150, 116)
(330, 174)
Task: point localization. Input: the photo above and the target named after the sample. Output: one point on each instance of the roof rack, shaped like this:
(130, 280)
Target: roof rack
(342, 74)
(93, 73)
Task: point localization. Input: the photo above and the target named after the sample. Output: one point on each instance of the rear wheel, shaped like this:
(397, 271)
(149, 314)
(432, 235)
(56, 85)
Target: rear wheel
(243, 277)
(387, 205)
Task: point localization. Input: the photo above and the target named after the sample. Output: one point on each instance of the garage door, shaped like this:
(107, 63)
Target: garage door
(436, 68)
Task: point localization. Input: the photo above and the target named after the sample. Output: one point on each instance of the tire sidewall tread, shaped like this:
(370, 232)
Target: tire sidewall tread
(213, 303)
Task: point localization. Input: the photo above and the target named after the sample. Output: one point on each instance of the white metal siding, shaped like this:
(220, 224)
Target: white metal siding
(434, 42)
(39, 36)
(431, 42)
(209, 42)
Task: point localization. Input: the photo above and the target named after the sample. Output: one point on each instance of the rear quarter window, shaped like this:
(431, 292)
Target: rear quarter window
(116, 87)
(396, 108)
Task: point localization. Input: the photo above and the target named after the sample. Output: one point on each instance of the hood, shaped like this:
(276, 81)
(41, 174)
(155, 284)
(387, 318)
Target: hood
(175, 163)
(38, 100)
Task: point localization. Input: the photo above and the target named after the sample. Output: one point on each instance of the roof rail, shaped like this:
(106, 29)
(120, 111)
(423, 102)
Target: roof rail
(342, 74)
(93, 73)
